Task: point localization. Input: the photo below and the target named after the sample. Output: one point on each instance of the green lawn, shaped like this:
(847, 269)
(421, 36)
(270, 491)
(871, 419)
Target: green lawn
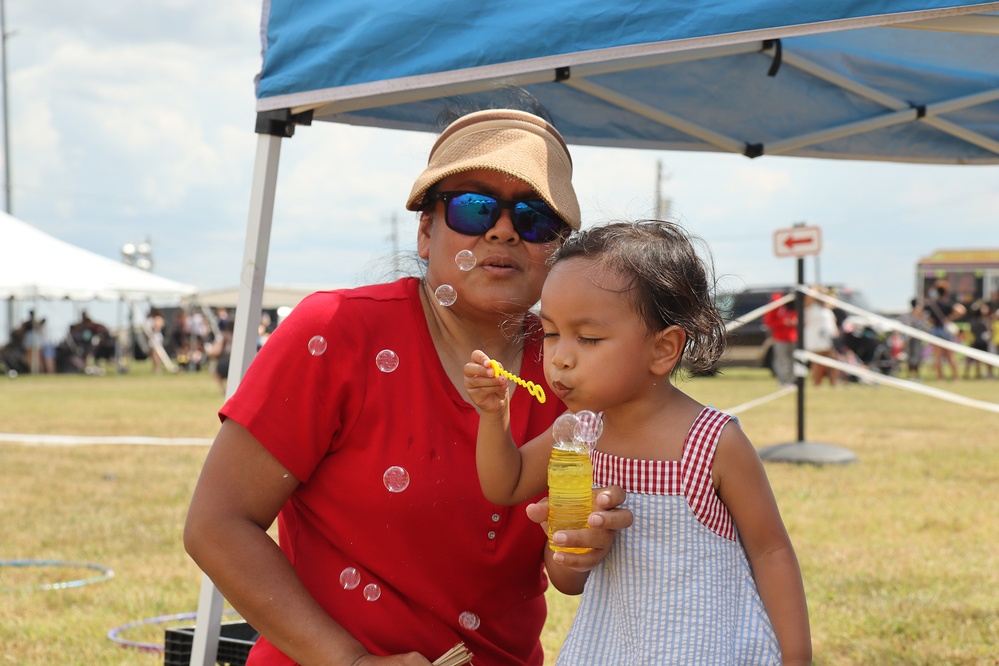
(899, 551)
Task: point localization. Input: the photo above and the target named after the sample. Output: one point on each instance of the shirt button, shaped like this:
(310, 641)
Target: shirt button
(492, 535)
(495, 517)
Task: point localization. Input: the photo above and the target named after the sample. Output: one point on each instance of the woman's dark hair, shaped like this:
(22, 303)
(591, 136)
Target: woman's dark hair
(670, 283)
(509, 97)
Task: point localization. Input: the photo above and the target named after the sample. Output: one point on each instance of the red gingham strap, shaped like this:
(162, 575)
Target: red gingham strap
(698, 460)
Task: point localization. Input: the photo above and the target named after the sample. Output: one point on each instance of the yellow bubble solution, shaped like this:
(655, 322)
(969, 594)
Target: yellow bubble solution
(570, 500)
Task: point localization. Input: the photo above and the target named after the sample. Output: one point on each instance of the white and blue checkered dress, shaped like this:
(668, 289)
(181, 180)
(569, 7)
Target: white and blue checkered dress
(676, 588)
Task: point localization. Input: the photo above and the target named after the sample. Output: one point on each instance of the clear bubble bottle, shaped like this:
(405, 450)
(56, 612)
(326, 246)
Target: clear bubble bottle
(570, 474)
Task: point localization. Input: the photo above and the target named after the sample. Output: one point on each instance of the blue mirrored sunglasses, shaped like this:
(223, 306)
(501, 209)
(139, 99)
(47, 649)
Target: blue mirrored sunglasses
(474, 214)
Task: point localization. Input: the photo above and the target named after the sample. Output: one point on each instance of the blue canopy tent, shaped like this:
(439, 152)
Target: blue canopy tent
(892, 80)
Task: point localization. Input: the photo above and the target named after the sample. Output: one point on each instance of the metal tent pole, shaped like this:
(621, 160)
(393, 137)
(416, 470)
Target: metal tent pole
(244, 345)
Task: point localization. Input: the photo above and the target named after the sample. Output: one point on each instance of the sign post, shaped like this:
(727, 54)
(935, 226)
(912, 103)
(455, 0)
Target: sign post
(800, 241)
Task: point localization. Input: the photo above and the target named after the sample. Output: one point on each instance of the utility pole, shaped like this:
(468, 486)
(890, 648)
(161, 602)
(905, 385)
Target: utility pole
(663, 205)
(6, 146)
(8, 205)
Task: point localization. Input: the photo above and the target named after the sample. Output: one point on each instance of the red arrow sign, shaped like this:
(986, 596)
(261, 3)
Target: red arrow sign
(797, 241)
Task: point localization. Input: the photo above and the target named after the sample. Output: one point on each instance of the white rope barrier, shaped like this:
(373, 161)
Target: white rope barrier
(888, 380)
(79, 440)
(758, 312)
(760, 401)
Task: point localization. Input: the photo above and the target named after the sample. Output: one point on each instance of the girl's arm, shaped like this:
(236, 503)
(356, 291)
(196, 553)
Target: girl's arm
(508, 475)
(743, 487)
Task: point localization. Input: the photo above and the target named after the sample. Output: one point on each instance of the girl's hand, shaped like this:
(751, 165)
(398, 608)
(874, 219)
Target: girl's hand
(488, 392)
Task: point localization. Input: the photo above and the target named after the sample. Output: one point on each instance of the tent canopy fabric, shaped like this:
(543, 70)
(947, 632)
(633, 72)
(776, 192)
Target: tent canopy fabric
(37, 265)
(898, 80)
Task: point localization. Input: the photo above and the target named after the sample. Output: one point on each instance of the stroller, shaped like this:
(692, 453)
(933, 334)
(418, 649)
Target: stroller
(869, 344)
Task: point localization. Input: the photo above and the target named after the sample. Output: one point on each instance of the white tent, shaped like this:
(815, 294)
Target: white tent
(36, 265)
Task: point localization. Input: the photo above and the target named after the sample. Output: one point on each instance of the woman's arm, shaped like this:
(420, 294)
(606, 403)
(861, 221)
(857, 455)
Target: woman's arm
(507, 475)
(240, 492)
(743, 487)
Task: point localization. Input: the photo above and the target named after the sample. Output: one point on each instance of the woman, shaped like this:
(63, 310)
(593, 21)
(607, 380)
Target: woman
(943, 312)
(821, 332)
(368, 454)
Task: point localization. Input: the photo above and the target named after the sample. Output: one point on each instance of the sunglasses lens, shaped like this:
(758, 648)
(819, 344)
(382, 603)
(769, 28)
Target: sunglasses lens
(471, 213)
(536, 222)
(474, 214)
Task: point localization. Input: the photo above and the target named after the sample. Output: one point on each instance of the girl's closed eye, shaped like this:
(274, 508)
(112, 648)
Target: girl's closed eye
(550, 336)
(588, 341)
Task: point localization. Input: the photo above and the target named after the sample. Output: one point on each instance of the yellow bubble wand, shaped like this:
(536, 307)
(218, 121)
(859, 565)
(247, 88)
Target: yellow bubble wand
(531, 387)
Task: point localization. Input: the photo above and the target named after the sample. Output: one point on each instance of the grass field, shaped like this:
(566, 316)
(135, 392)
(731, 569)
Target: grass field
(900, 551)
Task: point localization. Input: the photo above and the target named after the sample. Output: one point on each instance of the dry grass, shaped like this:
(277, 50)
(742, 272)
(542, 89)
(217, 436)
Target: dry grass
(898, 550)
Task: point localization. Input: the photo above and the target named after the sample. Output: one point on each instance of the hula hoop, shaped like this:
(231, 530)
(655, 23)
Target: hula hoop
(162, 619)
(105, 573)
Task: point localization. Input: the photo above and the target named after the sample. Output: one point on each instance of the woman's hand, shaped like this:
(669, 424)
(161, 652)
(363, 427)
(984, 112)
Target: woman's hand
(607, 519)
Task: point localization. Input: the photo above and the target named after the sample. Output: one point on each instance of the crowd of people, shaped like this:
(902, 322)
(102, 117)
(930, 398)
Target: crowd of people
(833, 333)
(974, 324)
(172, 339)
(86, 347)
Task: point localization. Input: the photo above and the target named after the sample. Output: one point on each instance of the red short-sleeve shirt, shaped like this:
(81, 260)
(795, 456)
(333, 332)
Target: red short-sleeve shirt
(385, 449)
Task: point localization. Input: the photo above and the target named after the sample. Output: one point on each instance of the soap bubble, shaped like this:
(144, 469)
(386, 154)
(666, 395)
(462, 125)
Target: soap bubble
(350, 578)
(469, 620)
(564, 428)
(387, 360)
(589, 427)
(317, 345)
(372, 592)
(396, 479)
(465, 260)
(446, 295)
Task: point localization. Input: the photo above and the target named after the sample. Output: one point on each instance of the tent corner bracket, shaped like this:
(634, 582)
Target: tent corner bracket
(281, 122)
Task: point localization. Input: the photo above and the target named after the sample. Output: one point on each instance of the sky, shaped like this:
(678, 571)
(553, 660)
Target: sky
(133, 121)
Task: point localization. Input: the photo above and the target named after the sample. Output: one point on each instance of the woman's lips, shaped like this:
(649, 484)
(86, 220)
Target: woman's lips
(499, 265)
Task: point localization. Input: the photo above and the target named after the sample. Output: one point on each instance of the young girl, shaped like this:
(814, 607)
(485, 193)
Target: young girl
(707, 573)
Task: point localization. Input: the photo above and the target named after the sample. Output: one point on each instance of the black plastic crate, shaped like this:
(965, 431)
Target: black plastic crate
(235, 641)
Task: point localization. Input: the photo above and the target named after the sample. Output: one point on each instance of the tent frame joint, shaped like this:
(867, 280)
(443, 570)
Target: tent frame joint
(281, 122)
